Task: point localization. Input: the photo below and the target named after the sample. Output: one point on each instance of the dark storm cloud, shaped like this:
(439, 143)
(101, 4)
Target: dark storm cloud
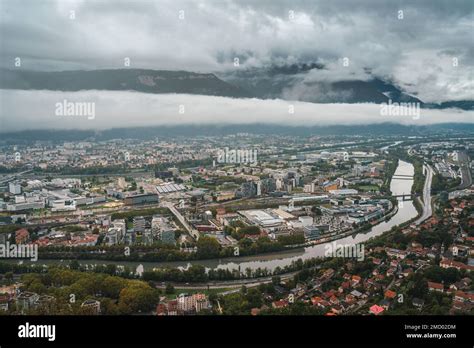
(416, 52)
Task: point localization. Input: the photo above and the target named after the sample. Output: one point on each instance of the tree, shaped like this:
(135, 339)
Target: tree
(112, 286)
(207, 248)
(439, 275)
(137, 297)
(420, 287)
(196, 273)
(235, 304)
(252, 230)
(111, 269)
(169, 289)
(254, 297)
(245, 243)
(74, 264)
(108, 307)
(38, 287)
(9, 277)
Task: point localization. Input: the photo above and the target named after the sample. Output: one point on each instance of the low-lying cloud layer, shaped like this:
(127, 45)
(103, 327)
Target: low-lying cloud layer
(39, 110)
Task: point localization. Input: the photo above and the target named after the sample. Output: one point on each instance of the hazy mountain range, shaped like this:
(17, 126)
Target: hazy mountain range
(282, 82)
(140, 80)
(148, 133)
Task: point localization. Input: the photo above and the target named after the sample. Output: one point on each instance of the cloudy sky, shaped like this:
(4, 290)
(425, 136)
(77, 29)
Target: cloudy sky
(424, 47)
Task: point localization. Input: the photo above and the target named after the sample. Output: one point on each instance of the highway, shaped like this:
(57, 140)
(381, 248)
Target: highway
(466, 178)
(427, 211)
(194, 233)
(13, 176)
(229, 284)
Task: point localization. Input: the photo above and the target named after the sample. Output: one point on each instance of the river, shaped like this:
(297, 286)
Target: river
(406, 211)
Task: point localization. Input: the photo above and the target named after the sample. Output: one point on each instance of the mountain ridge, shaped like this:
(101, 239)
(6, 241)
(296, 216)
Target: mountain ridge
(140, 80)
(284, 83)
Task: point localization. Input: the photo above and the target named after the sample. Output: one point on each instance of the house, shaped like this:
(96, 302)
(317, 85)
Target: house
(350, 299)
(4, 302)
(399, 254)
(26, 300)
(356, 280)
(162, 309)
(390, 294)
(91, 306)
(46, 302)
(376, 261)
(447, 263)
(461, 306)
(462, 296)
(461, 285)
(173, 307)
(328, 273)
(417, 302)
(337, 309)
(432, 286)
(379, 277)
(192, 303)
(370, 282)
(318, 301)
(255, 311)
(21, 236)
(376, 309)
(326, 295)
(280, 304)
(344, 286)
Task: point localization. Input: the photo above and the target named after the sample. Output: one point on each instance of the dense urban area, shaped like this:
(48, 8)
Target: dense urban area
(242, 224)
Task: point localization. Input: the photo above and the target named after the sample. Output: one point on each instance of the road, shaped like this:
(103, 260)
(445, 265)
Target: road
(228, 284)
(194, 233)
(390, 145)
(466, 178)
(427, 211)
(13, 176)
